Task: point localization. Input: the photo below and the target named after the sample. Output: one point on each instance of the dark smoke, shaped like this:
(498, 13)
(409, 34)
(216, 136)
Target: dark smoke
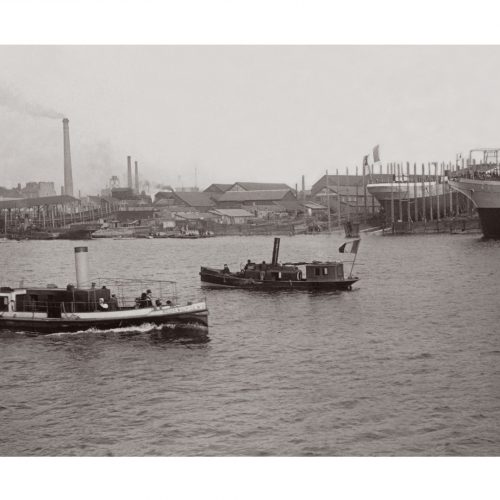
(15, 102)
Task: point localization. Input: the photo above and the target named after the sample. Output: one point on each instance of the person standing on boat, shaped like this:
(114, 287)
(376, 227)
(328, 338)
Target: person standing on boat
(226, 269)
(143, 301)
(263, 269)
(102, 306)
(113, 303)
(149, 298)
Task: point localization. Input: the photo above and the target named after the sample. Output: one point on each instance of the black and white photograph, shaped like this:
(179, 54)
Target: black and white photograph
(249, 250)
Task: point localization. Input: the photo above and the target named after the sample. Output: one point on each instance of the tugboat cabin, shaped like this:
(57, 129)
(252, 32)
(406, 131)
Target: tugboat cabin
(325, 271)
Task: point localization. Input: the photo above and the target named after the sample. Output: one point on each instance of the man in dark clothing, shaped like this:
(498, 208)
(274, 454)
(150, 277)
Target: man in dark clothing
(113, 303)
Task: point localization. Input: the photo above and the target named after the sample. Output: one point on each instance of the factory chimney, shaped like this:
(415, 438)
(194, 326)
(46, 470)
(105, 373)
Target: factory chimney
(129, 172)
(68, 174)
(136, 179)
(303, 189)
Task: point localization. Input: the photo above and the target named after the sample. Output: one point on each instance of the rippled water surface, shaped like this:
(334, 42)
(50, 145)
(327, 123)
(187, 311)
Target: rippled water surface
(408, 363)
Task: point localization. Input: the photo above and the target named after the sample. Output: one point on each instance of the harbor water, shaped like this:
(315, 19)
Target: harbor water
(405, 364)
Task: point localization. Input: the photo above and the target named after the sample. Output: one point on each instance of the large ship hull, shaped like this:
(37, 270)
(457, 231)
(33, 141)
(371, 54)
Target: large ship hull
(421, 200)
(485, 195)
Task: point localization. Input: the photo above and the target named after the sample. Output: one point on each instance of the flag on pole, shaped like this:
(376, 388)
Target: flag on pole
(349, 247)
(365, 161)
(376, 156)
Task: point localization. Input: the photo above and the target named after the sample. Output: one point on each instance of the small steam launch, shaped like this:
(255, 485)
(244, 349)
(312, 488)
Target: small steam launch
(91, 305)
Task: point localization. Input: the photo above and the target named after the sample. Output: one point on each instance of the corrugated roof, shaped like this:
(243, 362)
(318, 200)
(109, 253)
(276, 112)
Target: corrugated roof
(314, 206)
(36, 202)
(261, 186)
(261, 195)
(194, 215)
(233, 212)
(348, 181)
(195, 199)
(218, 187)
(9, 193)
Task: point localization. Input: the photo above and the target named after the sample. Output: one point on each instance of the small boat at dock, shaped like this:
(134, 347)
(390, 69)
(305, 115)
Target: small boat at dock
(315, 275)
(92, 305)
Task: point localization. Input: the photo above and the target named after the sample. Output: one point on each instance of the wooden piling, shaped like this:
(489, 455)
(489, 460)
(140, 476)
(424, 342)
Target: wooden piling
(408, 197)
(348, 206)
(437, 191)
(338, 199)
(424, 214)
(415, 190)
(327, 190)
(357, 214)
(392, 201)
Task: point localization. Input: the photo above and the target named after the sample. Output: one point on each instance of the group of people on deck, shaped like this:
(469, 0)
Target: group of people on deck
(112, 306)
(145, 300)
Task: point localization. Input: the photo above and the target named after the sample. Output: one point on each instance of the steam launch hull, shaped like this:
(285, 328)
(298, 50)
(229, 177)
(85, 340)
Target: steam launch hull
(485, 195)
(424, 199)
(195, 314)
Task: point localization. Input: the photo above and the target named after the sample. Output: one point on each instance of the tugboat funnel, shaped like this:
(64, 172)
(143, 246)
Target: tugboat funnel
(276, 251)
(82, 267)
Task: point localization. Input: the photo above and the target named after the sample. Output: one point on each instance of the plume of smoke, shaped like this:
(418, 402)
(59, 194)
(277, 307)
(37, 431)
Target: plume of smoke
(15, 102)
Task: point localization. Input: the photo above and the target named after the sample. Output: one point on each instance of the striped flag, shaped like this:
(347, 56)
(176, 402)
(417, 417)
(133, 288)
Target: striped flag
(350, 247)
(376, 156)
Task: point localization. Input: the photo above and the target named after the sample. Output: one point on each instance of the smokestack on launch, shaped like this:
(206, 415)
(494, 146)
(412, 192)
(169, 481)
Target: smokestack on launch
(129, 172)
(68, 174)
(82, 267)
(136, 179)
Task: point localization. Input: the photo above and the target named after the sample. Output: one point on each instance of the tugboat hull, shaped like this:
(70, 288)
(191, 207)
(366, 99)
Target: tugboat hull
(217, 278)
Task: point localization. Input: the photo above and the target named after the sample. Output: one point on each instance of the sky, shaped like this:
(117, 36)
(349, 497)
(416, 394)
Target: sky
(202, 114)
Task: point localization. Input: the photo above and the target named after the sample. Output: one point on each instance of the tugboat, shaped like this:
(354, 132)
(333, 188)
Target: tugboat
(52, 309)
(318, 275)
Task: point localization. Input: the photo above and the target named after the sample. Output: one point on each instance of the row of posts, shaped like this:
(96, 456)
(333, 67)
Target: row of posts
(436, 202)
(51, 216)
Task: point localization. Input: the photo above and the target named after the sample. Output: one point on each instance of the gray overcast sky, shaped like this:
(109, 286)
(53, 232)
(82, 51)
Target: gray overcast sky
(249, 113)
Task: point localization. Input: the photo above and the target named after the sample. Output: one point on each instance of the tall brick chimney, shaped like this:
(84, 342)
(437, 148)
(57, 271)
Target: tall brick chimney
(136, 179)
(129, 172)
(68, 174)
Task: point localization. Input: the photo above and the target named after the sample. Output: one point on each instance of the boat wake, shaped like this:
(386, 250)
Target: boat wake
(185, 333)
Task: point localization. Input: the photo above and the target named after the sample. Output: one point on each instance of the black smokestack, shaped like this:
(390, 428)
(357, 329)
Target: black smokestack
(276, 251)
(129, 172)
(136, 178)
(68, 174)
